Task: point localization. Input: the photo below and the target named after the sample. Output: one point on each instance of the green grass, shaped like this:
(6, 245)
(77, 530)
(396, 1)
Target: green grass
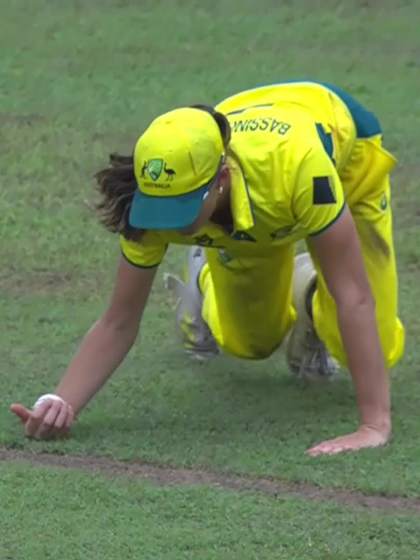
(50, 514)
(79, 80)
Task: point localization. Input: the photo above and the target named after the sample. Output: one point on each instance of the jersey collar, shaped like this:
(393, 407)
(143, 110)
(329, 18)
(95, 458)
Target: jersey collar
(240, 200)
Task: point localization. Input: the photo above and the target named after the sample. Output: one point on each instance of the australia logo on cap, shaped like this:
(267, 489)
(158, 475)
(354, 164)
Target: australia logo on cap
(155, 167)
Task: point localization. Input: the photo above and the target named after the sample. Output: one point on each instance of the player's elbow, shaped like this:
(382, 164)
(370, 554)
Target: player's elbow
(355, 297)
(123, 322)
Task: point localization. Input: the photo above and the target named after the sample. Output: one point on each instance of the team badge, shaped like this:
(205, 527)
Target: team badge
(155, 167)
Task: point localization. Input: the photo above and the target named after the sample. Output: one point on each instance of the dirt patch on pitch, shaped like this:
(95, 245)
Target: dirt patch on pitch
(28, 119)
(38, 283)
(165, 475)
(76, 284)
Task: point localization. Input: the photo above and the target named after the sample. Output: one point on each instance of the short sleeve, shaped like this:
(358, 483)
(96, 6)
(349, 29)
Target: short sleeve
(318, 198)
(148, 252)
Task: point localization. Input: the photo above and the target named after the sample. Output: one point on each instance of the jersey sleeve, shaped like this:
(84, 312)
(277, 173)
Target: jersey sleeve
(318, 197)
(148, 252)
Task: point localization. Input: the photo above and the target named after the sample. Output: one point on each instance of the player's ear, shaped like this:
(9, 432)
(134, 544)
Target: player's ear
(224, 172)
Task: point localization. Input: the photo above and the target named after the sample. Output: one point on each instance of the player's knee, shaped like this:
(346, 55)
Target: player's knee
(252, 348)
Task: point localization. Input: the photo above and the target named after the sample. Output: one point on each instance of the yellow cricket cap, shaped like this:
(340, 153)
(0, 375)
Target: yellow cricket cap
(176, 161)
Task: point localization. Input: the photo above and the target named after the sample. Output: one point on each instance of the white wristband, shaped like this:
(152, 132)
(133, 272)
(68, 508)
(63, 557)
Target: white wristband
(48, 396)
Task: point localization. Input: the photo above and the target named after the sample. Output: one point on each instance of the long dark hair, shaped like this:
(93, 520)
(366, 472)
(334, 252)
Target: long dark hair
(116, 185)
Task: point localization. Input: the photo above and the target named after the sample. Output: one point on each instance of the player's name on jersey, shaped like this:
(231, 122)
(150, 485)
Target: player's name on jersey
(264, 124)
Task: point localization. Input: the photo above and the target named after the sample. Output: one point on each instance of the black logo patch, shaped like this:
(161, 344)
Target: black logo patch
(323, 191)
(281, 232)
(242, 236)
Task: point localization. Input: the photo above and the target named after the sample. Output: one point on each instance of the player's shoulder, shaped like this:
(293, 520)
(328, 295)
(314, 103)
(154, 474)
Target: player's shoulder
(273, 123)
(301, 93)
(241, 100)
(262, 110)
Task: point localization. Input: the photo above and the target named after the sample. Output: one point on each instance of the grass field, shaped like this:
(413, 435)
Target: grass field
(79, 80)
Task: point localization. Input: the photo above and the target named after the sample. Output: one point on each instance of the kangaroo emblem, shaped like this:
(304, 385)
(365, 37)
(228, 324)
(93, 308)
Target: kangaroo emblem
(170, 173)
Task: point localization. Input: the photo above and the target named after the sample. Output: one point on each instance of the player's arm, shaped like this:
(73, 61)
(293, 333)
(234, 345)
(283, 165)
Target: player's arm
(100, 353)
(339, 254)
(110, 338)
(318, 202)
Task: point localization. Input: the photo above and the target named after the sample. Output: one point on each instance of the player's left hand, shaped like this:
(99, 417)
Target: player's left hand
(365, 436)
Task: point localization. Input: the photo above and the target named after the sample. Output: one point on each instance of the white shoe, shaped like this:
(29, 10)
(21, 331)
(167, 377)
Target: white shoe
(194, 332)
(306, 354)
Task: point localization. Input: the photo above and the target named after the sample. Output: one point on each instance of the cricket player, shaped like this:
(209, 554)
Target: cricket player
(241, 183)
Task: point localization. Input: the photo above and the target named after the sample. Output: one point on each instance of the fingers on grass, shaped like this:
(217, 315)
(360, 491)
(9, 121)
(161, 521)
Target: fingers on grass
(41, 409)
(61, 426)
(21, 412)
(62, 417)
(46, 427)
(52, 414)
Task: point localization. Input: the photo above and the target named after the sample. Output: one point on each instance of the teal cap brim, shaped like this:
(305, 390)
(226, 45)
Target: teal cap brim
(166, 212)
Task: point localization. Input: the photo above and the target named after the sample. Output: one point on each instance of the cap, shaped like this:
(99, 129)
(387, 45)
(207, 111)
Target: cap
(176, 161)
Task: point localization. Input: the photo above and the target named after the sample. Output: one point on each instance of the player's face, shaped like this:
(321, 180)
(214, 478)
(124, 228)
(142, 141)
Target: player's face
(207, 210)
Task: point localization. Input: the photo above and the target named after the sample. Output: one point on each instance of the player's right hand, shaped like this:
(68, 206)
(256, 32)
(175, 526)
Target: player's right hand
(50, 419)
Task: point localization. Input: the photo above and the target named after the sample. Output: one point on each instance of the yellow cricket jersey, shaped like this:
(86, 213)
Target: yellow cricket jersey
(289, 143)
